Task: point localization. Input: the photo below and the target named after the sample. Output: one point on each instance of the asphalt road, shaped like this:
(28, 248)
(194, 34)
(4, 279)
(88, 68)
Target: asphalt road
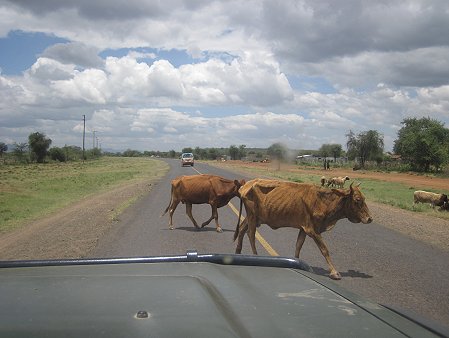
(374, 261)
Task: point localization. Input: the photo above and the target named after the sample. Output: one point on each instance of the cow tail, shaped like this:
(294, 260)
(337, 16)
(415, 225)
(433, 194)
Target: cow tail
(171, 199)
(236, 232)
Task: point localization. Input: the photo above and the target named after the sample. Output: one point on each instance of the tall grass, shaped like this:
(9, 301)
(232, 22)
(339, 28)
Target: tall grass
(31, 191)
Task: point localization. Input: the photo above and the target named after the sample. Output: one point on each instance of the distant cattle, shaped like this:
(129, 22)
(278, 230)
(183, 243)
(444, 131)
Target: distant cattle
(323, 180)
(307, 207)
(199, 189)
(338, 182)
(421, 196)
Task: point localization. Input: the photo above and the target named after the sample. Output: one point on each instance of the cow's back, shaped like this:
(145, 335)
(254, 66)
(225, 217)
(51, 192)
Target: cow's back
(199, 189)
(285, 204)
(194, 189)
(425, 196)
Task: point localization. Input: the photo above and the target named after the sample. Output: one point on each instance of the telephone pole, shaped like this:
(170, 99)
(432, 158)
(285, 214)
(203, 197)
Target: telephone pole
(84, 135)
(93, 143)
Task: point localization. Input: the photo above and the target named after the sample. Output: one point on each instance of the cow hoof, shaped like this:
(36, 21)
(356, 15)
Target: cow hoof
(219, 229)
(335, 276)
(171, 227)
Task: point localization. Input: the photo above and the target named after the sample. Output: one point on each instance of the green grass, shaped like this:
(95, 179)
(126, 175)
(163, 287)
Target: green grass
(32, 191)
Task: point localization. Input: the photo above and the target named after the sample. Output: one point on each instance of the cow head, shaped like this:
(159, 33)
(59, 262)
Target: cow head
(445, 206)
(356, 209)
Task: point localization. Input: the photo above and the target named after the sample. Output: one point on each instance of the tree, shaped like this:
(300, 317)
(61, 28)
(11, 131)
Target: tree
(423, 143)
(324, 150)
(3, 148)
(334, 150)
(39, 145)
(242, 151)
(278, 151)
(365, 146)
(19, 151)
(187, 150)
(233, 152)
(212, 153)
(131, 153)
(57, 154)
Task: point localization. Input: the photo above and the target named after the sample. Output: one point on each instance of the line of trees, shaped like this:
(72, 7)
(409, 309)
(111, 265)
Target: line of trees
(422, 144)
(37, 149)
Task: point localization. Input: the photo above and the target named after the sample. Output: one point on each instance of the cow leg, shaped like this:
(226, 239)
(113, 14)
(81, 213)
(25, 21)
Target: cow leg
(213, 216)
(252, 235)
(242, 232)
(209, 220)
(334, 274)
(171, 212)
(189, 213)
(300, 241)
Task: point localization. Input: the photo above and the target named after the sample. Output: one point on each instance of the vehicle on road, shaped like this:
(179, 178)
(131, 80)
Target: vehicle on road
(190, 295)
(187, 159)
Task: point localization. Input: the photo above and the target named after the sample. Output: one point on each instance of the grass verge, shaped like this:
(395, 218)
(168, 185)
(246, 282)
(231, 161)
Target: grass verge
(32, 191)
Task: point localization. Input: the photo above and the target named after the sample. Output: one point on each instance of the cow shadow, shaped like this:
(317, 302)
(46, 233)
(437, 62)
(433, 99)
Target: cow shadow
(205, 229)
(350, 273)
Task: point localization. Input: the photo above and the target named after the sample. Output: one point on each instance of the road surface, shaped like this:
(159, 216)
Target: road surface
(374, 261)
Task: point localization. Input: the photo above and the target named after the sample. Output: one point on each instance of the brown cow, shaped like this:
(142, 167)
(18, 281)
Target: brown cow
(421, 196)
(199, 189)
(307, 207)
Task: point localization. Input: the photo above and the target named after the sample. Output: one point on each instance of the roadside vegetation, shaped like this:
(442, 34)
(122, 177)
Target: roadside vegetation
(31, 191)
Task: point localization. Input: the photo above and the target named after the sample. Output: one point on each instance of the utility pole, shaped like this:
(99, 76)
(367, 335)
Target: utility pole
(93, 143)
(84, 135)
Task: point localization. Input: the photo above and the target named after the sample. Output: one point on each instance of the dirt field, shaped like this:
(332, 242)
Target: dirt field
(411, 179)
(66, 234)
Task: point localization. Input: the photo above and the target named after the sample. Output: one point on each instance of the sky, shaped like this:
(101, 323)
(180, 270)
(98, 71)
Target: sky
(166, 75)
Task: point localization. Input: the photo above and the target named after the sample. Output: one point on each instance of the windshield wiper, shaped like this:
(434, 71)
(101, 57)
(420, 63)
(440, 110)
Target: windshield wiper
(190, 256)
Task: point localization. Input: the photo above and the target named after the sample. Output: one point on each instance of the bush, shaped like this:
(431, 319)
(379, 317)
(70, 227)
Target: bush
(57, 154)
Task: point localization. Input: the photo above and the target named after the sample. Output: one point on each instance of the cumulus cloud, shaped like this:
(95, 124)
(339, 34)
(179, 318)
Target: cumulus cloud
(74, 53)
(384, 61)
(128, 81)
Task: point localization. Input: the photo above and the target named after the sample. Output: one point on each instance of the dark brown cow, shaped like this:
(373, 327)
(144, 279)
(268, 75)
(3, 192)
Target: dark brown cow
(307, 207)
(199, 189)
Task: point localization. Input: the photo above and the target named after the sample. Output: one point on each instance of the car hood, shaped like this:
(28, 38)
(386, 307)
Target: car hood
(187, 299)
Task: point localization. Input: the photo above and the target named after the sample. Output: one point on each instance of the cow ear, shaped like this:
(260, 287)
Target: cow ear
(351, 188)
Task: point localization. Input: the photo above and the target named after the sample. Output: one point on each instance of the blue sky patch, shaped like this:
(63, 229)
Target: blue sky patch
(176, 57)
(19, 50)
(311, 84)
